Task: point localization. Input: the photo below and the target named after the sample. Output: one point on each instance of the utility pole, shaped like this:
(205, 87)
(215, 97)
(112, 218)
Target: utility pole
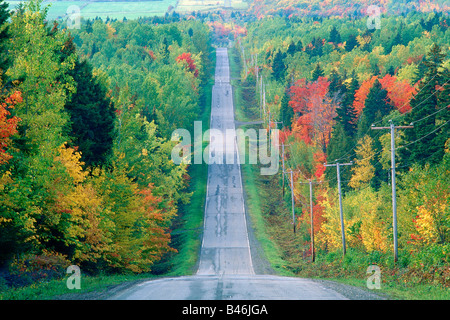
(392, 127)
(282, 163)
(292, 198)
(311, 213)
(312, 220)
(337, 165)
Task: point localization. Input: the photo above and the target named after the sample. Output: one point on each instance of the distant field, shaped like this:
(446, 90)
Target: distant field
(201, 5)
(114, 10)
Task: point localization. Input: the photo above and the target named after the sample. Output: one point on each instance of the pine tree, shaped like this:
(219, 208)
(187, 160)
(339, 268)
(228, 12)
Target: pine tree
(292, 48)
(335, 37)
(427, 144)
(351, 43)
(335, 83)
(91, 116)
(299, 46)
(318, 72)
(278, 67)
(286, 111)
(375, 108)
(4, 57)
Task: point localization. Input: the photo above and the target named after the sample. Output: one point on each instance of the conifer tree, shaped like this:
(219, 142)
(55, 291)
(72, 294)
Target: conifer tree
(318, 72)
(4, 58)
(278, 67)
(427, 144)
(287, 113)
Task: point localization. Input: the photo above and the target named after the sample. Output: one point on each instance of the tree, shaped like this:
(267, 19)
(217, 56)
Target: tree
(335, 37)
(91, 116)
(363, 171)
(4, 57)
(318, 72)
(286, 111)
(376, 107)
(278, 66)
(351, 43)
(291, 48)
(426, 144)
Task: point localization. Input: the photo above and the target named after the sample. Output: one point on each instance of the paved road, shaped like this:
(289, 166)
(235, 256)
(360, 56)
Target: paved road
(225, 268)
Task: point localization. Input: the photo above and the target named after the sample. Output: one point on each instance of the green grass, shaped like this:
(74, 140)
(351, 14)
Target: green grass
(93, 287)
(111, 9)
(185, 261)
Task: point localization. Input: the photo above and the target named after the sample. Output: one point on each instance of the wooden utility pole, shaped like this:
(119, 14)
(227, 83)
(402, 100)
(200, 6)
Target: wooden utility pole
(394, 197)
(292, 198)
(311, 213)
(282, 163)
(312, 221)
(337, 165)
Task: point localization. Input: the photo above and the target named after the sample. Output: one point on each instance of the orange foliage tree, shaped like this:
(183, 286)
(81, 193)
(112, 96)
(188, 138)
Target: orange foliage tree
(8, 124)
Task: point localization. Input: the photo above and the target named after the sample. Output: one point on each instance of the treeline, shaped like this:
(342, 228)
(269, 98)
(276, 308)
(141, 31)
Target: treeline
(326, 83)
(86, 118)
(342, 8)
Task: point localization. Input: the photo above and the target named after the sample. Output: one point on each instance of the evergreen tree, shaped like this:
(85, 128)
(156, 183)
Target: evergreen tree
(351, 43)
(278, 67)
(335, 37)
(292, 48)
(335, 83)
(91, 116)
(299, 46)
(427, 144)
(318, 72)
(375, 108)
(286, 111)
(4, 57)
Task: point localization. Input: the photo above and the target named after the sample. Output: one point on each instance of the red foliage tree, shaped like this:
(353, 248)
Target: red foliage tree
(8, 124)
(316, 110)
(187, 58)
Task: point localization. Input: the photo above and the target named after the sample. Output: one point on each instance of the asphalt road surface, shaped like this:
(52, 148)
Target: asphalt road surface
(225, 269)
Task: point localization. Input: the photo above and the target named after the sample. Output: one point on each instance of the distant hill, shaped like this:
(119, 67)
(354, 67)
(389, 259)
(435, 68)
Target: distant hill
(343, 7)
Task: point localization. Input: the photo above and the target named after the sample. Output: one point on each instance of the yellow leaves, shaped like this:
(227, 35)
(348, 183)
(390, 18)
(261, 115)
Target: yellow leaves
(111, 31)
(425, 225)
(362, 41)
(5, 179)
(71, 160)
(364, 171)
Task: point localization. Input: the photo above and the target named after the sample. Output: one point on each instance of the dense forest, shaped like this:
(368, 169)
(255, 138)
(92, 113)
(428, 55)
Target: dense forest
(86, 116)
(325, 82)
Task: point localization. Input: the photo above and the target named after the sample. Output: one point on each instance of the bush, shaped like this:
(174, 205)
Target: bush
(32, 268)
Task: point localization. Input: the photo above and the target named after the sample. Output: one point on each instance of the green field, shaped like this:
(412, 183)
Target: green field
(113, 10)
